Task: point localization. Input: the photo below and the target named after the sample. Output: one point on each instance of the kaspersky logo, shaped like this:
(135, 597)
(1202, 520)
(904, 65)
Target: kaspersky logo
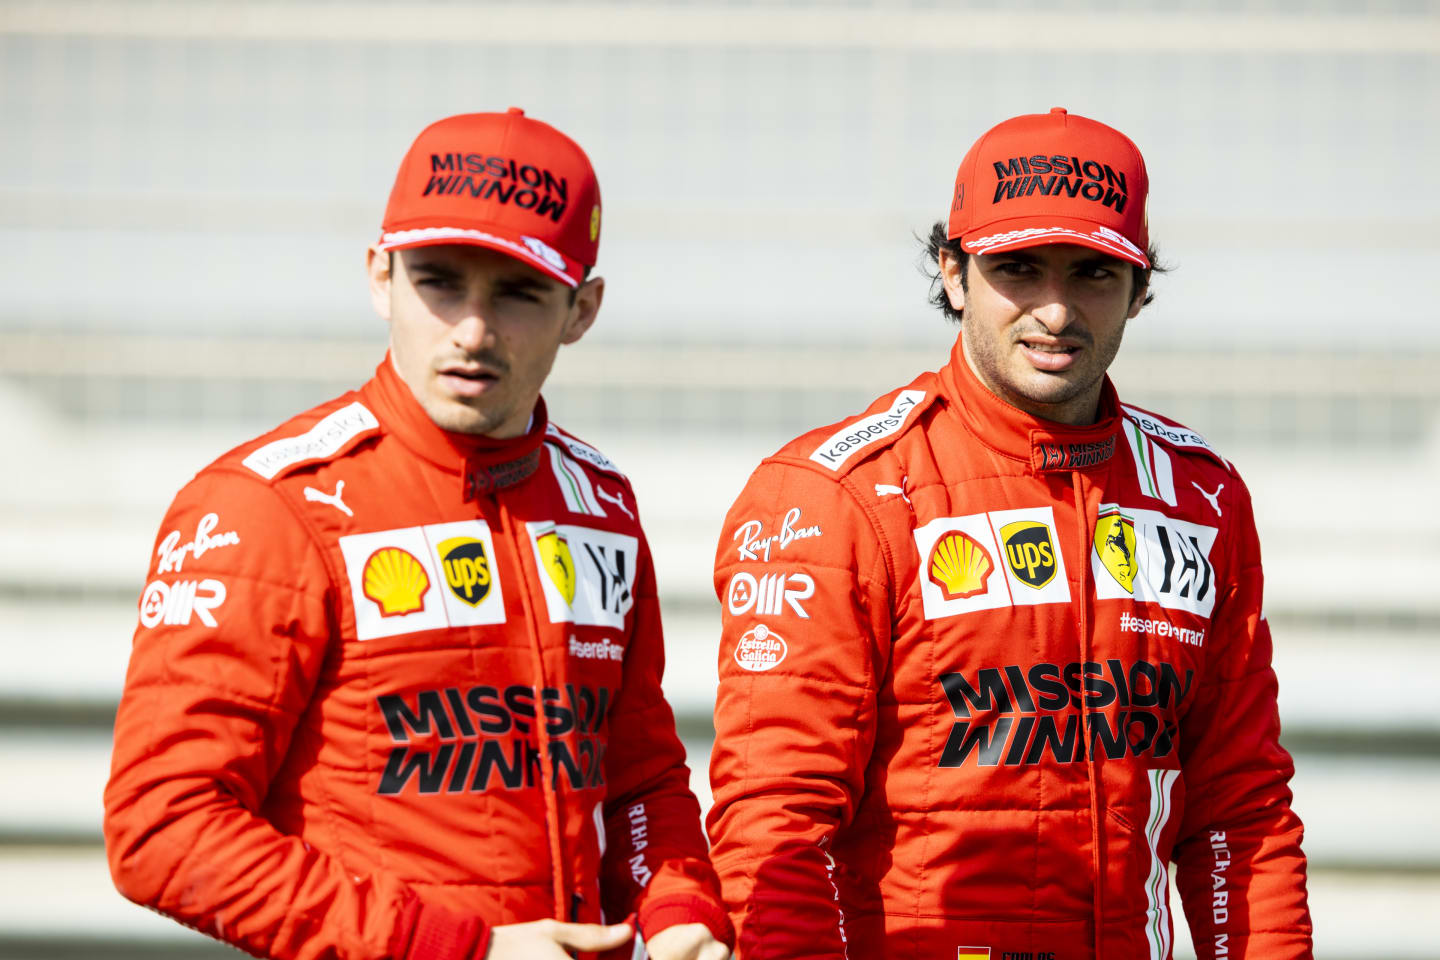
(467, 569)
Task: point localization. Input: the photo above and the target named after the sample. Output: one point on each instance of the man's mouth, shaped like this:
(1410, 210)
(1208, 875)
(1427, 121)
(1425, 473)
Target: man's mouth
(1049, 354)
(468, 381)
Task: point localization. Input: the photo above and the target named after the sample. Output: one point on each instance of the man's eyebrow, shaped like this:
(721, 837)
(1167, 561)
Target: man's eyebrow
(436, 267)
(523, 281)
(1100, 260)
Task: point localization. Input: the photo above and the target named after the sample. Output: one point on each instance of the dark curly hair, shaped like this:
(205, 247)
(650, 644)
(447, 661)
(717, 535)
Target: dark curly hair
(938, 241)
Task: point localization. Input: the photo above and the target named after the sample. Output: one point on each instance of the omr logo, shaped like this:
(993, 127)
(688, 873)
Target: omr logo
(174, 603)
(1029, 551)
(467, 569)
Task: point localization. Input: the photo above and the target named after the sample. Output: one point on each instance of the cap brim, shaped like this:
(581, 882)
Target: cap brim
(1022, 232)
(498, 240)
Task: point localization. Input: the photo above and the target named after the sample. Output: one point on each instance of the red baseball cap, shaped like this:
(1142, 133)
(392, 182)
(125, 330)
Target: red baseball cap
(1052, 178)
(503, 181)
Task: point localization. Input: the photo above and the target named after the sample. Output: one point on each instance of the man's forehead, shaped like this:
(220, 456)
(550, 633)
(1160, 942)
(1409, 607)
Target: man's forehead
(462, 257)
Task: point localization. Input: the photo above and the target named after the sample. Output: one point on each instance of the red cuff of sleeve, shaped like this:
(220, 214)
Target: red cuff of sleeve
(659, 913)
(427, 932)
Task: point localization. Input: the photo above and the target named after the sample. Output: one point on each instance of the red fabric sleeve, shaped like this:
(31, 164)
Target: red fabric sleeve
(795, 712)
(1240, 873)
(234, 626)
(656, 864)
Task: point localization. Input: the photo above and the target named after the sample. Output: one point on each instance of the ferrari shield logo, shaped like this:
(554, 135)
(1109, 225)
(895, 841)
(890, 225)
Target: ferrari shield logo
(559, 565)
(1029, 551)
(1115, 546)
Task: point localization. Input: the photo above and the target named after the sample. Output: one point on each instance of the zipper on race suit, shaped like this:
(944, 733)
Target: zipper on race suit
(519, 536)
(1082, 557)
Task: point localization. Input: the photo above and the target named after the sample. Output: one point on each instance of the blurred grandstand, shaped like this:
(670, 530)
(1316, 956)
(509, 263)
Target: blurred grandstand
(186, 189)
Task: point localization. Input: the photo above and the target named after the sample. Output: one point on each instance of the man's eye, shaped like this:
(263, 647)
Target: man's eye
(1013, 268)
(438, 283)
(522, 295)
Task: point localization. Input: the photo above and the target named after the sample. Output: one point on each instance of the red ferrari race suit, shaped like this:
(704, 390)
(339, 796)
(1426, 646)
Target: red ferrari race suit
(983, 677)
(392, 685)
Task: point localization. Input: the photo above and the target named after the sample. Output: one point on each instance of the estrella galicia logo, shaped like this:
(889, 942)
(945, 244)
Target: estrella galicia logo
(1029, 551)
(467, 569)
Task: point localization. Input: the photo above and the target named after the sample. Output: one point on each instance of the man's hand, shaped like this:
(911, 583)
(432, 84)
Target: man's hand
(686, 941)
(547, 939)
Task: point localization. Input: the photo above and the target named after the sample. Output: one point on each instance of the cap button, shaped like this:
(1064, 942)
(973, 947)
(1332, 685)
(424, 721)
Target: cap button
(516, 111)
(1058, 111)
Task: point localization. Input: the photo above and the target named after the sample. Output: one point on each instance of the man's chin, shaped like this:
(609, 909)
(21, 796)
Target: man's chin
(458, 417)
(1039, 386)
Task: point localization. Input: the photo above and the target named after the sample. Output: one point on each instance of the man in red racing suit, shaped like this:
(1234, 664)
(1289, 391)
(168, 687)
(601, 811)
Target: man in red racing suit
(994, 651)
(396, 681)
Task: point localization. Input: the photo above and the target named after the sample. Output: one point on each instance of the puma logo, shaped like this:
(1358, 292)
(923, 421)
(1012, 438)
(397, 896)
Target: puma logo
(889, 489)
(1214, 498)
(615, 499)
(331, 498)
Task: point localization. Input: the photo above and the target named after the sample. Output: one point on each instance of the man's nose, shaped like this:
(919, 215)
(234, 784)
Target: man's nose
(1052, 307)
(471, 332)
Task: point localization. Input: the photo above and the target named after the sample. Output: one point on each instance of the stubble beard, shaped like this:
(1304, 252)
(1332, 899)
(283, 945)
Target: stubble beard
(1011, 378)
(455, 416)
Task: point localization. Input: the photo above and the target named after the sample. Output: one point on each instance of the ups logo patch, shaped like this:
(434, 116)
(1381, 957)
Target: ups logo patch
(1030, 551)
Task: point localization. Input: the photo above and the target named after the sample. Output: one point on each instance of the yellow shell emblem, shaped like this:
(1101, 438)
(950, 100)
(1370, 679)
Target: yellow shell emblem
(396, 581)
(960, 566)
(1115, 546)
(555, 558)
(595, 223)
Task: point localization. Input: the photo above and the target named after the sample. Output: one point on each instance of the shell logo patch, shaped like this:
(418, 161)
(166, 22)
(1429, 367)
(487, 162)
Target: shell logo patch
(1030, 552)
(958, 569)
(1115, 546)
(760, 648)
(467, 568)
(423, 578)
(960, 566)
(396, 581)
(557, 562)
(595, 223)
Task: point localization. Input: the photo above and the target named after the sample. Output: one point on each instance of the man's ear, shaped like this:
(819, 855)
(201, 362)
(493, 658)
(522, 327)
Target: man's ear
(377, 267)
(587, 305)
(952, 270)
(1137, 302)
